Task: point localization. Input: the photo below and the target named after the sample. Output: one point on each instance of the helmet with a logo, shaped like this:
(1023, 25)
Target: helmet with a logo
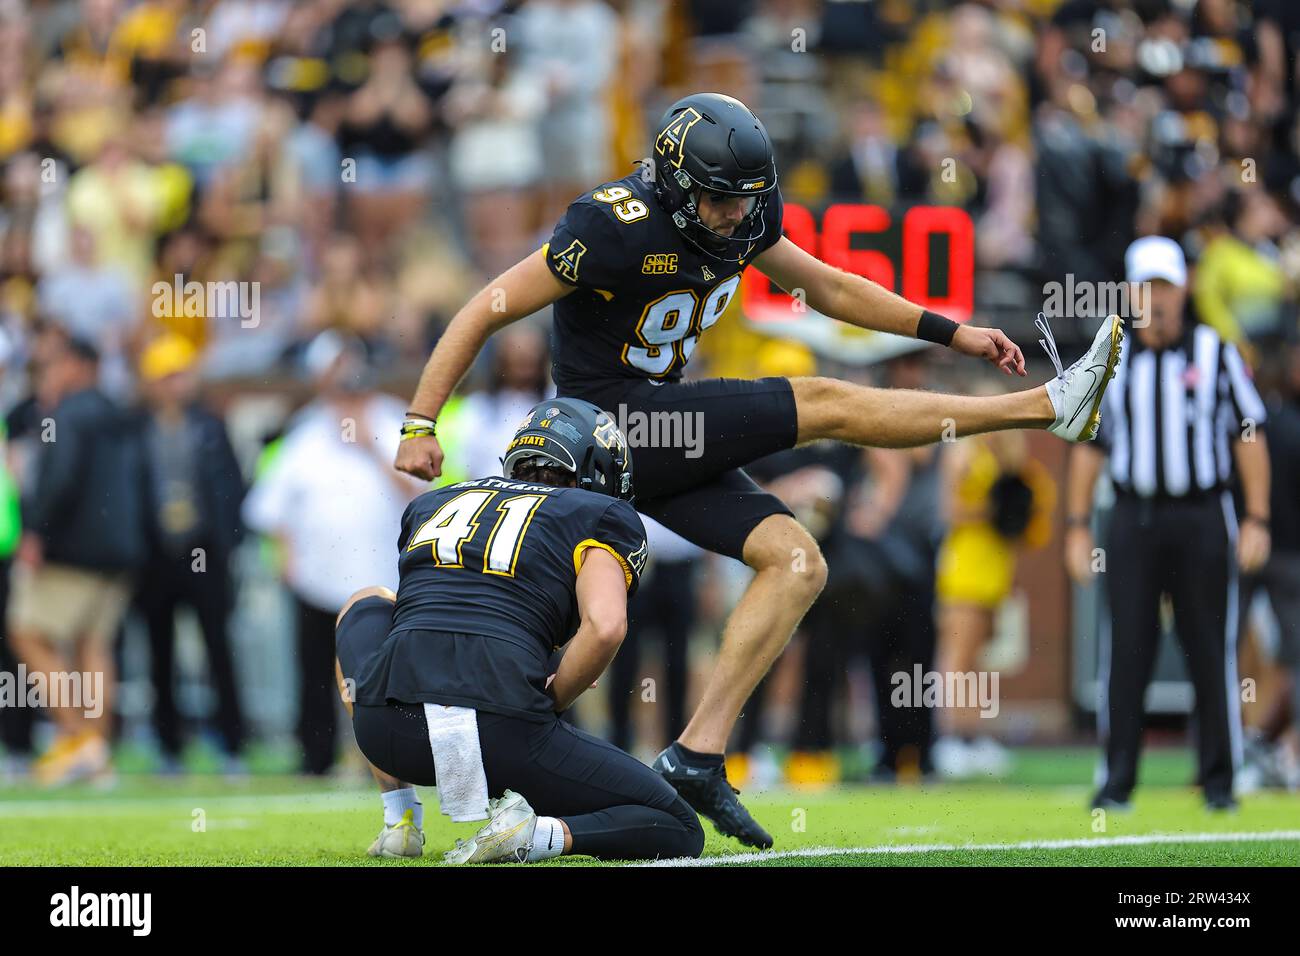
(711, 143)
(579, 438)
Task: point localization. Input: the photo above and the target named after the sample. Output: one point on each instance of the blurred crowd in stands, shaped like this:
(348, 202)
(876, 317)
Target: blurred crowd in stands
(336, 178)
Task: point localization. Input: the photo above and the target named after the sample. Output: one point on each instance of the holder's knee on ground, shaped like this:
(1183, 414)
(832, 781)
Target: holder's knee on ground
(346, 686)
(377, 590)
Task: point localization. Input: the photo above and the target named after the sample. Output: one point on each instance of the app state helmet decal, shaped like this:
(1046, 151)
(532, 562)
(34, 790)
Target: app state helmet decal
(672, 139)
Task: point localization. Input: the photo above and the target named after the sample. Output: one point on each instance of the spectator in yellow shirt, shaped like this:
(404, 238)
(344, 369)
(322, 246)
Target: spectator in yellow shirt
(1001, 503)
(1240, 286)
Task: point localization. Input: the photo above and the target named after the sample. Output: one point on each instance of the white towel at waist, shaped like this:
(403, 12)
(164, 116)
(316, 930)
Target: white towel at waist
(458, 761)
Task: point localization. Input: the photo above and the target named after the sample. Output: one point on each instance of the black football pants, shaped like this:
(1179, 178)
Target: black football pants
(1186, 549)
(615, 807)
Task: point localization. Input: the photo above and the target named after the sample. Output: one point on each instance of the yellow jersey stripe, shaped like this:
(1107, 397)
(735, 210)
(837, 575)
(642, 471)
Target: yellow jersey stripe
(581, 549)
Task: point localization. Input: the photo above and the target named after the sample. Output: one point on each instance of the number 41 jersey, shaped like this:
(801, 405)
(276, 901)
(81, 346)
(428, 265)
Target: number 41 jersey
(487, 576)
(644, 294)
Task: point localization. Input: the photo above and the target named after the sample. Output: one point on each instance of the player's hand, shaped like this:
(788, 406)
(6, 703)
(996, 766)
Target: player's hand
(1253, 546)
(991, 344)
(421, 457)
(1078, 554)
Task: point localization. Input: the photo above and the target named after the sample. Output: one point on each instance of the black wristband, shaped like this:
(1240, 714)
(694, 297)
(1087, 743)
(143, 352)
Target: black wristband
(1258, 519)
(933, 327)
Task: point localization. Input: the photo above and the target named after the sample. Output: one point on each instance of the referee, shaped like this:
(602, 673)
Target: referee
(1180, 419)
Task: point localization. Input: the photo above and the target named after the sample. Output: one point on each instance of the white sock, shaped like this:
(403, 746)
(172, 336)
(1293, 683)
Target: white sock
(548, 840)
(397, 802)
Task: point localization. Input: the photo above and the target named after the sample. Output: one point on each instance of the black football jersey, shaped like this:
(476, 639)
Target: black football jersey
(486, 593)
(645, 294)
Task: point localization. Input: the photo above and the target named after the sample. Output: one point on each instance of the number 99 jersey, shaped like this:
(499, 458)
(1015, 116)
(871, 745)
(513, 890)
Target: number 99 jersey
(486, 594)
(645, 293)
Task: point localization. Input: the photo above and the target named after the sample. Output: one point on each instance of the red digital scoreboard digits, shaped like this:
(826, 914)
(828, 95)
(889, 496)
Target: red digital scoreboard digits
(833, 244)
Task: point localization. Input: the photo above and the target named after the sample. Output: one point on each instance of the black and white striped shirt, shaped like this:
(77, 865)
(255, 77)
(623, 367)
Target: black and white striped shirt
(1170, 416)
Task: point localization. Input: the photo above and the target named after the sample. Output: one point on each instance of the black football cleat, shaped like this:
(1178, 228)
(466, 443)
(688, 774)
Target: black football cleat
(710, 795)
(1103, 802)
(1221, 803)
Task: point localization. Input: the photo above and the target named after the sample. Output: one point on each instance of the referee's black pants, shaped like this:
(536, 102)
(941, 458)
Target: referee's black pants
(1184, 548)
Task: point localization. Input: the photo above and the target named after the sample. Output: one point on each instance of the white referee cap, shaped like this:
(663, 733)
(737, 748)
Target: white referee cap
(1156, 257)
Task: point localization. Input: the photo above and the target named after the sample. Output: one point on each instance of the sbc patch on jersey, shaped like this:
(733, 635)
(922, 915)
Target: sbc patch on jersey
(659, 264)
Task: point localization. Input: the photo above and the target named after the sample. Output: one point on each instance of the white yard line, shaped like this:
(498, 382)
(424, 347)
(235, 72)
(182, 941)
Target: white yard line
(1147, 839)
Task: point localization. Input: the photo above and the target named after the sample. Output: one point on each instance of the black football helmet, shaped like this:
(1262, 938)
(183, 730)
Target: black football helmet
(578, 437)
(711, 143)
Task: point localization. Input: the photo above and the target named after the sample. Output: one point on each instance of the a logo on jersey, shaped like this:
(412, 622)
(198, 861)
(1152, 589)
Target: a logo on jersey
(566, 262)
(672, 141)
(708, 273)
(659, 263)
(638, 557)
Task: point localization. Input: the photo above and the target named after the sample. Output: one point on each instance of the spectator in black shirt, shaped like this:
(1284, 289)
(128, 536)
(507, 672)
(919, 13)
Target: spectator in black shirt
(83, 537)
(194, 490)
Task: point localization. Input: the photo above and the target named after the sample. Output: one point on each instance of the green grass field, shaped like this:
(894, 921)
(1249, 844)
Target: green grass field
(1036, 817)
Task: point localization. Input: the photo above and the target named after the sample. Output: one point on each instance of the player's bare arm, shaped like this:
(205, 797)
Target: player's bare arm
(602, 601)
(869, 305)
(520, 291)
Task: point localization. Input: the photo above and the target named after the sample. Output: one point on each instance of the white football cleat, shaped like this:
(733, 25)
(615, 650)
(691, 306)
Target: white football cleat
(402, 839)
(1076, 392)
(506, 838)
